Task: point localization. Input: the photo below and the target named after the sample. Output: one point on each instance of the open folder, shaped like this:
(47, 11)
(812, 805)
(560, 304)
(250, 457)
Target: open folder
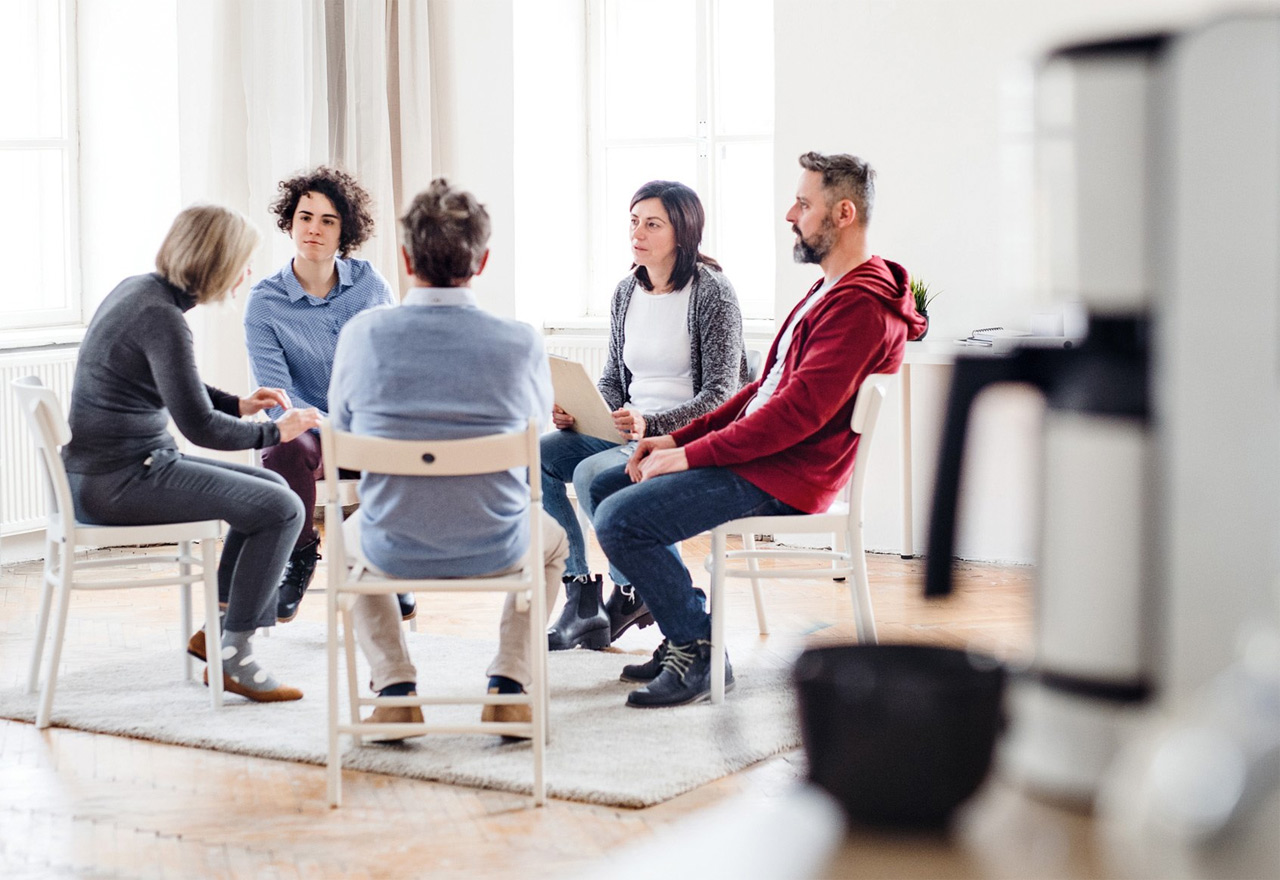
(577, 395)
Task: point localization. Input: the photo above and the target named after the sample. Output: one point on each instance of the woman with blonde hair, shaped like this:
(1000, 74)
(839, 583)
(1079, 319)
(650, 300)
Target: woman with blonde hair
(135, 371)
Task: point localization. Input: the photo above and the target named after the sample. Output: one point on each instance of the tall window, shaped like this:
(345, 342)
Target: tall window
(38, 164)
(683, 90)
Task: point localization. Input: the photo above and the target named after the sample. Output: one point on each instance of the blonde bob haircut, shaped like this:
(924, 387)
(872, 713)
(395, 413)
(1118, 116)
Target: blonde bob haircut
(205, 251)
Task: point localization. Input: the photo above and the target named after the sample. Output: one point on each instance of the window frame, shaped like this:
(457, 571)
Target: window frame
(51, 325)
(705, 139)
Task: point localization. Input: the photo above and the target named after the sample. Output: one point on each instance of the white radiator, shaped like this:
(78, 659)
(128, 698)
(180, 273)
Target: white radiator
(22, 501)
(590, 349)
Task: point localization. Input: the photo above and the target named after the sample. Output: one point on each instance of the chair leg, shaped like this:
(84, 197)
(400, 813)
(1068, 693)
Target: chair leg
(212, 629)
(537, 668)
(860, 590)
(334, 766)
(65, 572)
(717, 615)
(184, 608)
(47, 580)
(753, 566)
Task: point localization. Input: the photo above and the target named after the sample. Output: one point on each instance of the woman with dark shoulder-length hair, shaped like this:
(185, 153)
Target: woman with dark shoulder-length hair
(675, 353)
(292, 322)
(137, 369)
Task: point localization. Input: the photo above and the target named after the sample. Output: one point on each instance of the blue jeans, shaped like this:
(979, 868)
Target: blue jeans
(637, 523)
(570, 456)
(263, 515)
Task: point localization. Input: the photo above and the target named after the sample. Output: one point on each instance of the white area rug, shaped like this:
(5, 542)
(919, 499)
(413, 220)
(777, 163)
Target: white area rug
(600, 752)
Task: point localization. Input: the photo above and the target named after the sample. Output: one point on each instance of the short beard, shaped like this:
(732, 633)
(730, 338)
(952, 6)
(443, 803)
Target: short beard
(816, 249)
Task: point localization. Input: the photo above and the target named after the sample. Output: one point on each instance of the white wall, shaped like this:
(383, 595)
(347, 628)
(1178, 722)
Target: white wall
(936, 95)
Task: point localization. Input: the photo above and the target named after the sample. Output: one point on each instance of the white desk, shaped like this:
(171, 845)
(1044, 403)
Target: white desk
(935, 352)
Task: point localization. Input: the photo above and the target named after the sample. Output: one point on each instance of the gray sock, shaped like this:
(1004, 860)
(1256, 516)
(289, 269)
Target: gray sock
(238, 663)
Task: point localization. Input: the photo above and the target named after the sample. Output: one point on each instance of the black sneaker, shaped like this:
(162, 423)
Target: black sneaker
(625, 610)
(685, 678)
(298, 572)
(645, 672)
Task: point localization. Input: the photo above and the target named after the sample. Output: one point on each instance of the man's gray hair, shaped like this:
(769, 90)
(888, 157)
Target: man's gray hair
(845, 177)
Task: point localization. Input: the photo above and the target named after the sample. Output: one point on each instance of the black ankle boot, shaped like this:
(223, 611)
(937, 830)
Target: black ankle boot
(298, 572)
(625, 610)
(583, 620)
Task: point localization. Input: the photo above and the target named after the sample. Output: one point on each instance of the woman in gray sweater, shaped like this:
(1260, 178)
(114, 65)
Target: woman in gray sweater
(136, 370)
(675, 352)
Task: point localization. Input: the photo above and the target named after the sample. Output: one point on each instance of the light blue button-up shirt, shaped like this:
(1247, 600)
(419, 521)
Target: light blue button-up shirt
(439, 367)
(292, 335)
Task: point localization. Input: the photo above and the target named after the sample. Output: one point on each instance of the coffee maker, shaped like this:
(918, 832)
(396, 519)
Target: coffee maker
(1158, 174)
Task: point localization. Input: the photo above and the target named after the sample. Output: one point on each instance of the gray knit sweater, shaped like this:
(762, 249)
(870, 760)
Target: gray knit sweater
(136, 368)
(716, 355)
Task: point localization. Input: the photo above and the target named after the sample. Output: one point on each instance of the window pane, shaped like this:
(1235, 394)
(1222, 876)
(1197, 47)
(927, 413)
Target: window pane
(650, 69)
(745, 224)
(626, 170)
(34, 226)
(31, 69)
(744, 67)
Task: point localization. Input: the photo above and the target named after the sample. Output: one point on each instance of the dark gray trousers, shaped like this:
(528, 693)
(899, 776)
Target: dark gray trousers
(264, 516)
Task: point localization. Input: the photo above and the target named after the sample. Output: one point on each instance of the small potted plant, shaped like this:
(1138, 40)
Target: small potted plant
(922, 295)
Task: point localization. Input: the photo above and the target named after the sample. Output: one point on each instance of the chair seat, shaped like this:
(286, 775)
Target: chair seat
(162, 533)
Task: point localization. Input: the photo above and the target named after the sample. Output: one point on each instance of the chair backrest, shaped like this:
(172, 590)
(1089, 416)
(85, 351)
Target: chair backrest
(489, 454)
(50, 431)
(866, 412)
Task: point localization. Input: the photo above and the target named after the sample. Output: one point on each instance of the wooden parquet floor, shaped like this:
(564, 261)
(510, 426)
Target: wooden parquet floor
(74, 804)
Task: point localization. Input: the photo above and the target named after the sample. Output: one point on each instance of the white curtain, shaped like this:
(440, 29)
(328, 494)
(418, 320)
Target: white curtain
(274, 87)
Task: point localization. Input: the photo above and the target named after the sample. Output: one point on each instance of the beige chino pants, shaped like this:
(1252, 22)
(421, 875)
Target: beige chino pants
(381, 637)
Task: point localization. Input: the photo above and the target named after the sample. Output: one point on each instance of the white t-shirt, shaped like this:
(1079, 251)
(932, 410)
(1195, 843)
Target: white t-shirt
(770, 383)
(655, 348)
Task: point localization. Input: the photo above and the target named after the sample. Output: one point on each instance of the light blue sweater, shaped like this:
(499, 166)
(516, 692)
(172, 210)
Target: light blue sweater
(439, 367)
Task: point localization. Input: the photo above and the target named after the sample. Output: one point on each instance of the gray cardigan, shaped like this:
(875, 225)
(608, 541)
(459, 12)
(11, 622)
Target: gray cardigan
(716, 355)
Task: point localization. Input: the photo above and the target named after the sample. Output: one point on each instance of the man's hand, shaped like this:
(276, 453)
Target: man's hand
(295, 421)
(629, 422)
(264, 398)
(561, 419)
(644, 449)
(663, 461)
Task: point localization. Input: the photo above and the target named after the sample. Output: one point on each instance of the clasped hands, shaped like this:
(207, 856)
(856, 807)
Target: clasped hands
(292, 423)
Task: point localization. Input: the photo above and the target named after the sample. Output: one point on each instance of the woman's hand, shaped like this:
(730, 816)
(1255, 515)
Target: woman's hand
(644, 449)
(264, 398)
(560, 418)
(295, 421)
(629, 422)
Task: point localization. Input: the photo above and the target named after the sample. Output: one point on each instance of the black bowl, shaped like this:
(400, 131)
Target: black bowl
(901, 735)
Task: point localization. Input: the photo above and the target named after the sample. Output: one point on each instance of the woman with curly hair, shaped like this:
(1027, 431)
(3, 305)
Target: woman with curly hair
(292, 323)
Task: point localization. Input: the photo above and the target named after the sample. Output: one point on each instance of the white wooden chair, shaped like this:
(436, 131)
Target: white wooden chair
(64, 535)
(434, 458)
(843, 520)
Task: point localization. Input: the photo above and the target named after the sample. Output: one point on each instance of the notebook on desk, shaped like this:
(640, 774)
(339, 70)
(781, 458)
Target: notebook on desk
(577, 395)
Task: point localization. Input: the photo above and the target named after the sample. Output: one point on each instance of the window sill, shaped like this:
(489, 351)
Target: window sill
(40, 337)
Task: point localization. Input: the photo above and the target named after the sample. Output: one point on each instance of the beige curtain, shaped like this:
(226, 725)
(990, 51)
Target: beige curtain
(277, 86)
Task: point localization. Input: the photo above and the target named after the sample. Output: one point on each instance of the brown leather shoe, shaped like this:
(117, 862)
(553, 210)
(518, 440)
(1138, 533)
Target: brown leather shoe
(282, 694)
(196, 647)
(508, 713)
(394, 715)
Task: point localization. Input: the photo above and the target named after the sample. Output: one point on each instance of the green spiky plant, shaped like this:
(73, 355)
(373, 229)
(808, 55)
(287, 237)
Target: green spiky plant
(920, 291)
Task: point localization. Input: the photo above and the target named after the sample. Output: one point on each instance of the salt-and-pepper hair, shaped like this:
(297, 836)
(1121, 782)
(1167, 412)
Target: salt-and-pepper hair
(845, 177)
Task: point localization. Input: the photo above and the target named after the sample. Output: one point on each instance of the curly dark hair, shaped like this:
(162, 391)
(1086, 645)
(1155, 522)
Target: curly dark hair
(350, 198)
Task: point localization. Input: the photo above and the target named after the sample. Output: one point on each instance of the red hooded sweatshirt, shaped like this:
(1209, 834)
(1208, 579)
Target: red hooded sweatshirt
(798, 446)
